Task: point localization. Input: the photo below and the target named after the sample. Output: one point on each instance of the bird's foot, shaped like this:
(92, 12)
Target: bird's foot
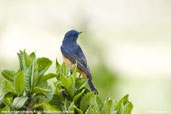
(70, 72)
(96, 92)
(80, 75)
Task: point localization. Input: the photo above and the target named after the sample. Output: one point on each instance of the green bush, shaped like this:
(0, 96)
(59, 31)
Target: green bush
(28, 90)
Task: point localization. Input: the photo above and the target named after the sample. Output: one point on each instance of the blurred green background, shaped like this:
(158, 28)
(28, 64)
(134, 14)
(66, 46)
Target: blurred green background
(127, 43)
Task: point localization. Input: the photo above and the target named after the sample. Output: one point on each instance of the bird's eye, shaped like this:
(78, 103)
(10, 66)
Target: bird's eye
(75, 35)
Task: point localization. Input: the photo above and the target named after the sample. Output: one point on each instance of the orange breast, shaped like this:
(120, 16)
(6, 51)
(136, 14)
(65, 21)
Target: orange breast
(69, 63)
(82, 72)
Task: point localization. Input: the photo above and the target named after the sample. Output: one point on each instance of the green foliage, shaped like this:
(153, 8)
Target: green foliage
(19, 82)
(124, 106)
(23, 89)
(107, 108)
(28, 90)
(85, 102)
(7, 87)
(19, 102)
(9, 75)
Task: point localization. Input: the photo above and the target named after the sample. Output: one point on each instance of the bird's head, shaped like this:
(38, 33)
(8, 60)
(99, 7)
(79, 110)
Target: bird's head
(72, 35)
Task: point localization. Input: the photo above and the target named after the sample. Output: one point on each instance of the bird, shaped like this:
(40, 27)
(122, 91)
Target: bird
(73, 54)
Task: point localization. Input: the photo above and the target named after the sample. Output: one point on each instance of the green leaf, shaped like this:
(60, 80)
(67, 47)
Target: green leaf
(45, 92)
(71, 108)
(7, 87)
(57, 66)
(43, 65)
(40, 99)
(80, 83)
(99, 103)
(64, 69)
(27, 79)
(2, 105)
(72, 85)
(40, 90)
(74, 70)
(66, 104)
(124, 106)
(8, 74)
(48, 76)
(42, 105)
(78, 96)
(68, 83)
(58, 101)
(21, 59)
(19, 82)
(91, 110)
(42, 84)
(28, 59)
(85, 102)
(107, 108)
(34, 75)
(9, 104)
(79, 111)
(50, 93)
(3, 97)
(127, 108)
(32, 55)
(19, 102)
(25, 60)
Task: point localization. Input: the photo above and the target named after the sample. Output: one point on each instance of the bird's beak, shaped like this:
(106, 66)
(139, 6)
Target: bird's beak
(80, 32)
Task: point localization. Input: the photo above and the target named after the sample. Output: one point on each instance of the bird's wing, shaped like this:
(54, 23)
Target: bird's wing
(77, 55)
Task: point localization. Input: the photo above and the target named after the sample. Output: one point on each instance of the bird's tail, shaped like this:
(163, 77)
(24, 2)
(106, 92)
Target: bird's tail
(90, 83)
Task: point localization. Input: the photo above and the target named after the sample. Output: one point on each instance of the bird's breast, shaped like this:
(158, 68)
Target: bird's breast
(68, 62)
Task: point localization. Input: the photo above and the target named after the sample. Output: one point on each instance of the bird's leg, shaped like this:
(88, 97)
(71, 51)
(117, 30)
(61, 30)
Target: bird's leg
(70, 72)
(80, 75)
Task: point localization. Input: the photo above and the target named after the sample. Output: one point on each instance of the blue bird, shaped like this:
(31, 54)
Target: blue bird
(72, 53)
